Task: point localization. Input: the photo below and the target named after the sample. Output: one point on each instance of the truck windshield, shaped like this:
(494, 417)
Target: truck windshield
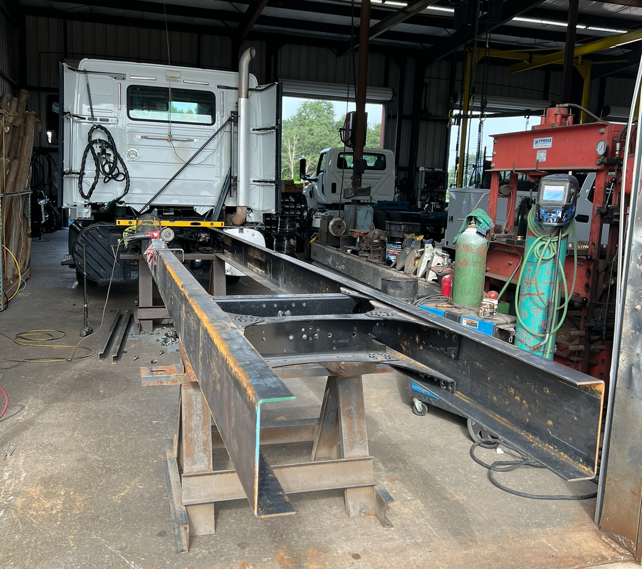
(373, 161)
(188, 106)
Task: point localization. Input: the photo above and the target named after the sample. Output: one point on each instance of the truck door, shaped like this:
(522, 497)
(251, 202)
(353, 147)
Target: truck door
(87, 98)
(265, 150)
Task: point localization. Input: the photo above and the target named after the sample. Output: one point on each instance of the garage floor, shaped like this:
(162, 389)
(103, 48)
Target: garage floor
(82, 450)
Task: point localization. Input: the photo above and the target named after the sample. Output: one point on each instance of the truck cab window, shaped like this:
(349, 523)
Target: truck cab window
(373, 161)
(322, 161)
(187, 106)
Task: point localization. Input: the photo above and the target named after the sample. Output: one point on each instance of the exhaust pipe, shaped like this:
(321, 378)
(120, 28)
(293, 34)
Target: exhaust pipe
(243, 184)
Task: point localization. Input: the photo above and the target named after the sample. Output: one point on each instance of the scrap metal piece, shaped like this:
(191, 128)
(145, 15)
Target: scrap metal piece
(121, 337)
(106, 345)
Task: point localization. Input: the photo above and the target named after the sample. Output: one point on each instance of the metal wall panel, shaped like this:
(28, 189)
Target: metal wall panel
(311, 63)
(216, 52)
(8, 56)
(618, 92)
(432, 144)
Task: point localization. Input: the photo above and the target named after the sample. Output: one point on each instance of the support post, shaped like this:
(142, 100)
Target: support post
(585, 72)
(342, 432)
(569, 51)
(196, 453)
(464, 120)
(401, 89)
(217, 285)
(417, 92)
(364, 45)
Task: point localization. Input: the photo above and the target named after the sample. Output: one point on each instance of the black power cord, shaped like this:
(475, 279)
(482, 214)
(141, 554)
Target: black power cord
(107, 161)
(510, 465)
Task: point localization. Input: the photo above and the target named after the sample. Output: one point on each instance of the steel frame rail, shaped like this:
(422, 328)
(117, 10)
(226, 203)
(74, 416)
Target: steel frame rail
(548, 411)
(232, 346)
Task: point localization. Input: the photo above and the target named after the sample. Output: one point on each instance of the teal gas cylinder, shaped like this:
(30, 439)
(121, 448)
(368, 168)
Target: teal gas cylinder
(536, 287)
(470, 267)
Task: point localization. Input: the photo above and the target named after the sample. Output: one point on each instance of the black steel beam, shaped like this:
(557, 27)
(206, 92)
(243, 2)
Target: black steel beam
(465, 36)
(538, 405)
(569, 51)
(254, 9)
(396, 18)
(234, 379)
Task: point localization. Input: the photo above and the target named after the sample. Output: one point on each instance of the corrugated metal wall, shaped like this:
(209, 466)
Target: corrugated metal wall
(50, 41)
(8, 55)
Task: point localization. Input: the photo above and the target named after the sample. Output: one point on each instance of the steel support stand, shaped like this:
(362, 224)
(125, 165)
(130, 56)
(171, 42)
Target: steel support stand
(340, 457)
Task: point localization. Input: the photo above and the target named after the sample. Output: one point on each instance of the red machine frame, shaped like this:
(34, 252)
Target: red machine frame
(557, 146)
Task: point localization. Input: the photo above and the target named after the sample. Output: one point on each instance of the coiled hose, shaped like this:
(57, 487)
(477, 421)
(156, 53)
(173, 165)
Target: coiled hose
(544, 248)
(112, 169)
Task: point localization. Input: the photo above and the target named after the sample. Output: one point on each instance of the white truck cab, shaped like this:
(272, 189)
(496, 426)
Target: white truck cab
(334, 174)
(159, 117)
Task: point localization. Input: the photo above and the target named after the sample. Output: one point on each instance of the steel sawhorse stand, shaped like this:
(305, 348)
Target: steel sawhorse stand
(339, 458)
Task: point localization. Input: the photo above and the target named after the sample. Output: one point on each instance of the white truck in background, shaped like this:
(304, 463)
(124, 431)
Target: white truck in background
(189, 147)
(334, 174)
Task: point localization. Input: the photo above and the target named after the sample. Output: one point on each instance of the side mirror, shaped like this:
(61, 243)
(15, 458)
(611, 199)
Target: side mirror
(302, 167)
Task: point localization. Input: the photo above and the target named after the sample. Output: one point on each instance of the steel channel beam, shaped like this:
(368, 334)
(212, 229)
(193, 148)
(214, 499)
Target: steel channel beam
(281, 432)
(233, 377)
(295, 478)
(544, 407)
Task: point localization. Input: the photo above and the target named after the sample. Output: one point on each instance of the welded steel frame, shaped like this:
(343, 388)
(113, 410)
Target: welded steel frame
(233, 345)
(531, 402)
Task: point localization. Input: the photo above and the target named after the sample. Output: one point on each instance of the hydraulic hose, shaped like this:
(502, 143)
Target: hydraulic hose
(545, 247)
(581, 108)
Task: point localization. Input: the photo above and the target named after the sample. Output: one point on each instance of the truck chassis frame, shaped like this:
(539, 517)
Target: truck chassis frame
(236, 350)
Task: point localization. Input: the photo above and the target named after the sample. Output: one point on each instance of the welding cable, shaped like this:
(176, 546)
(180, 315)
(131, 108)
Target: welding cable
(41, 339)
(510, 465)
(6, 402)
(19, 273)
(544, 248)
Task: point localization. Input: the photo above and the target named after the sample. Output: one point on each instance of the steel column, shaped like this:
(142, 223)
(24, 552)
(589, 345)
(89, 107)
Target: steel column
(569, 51)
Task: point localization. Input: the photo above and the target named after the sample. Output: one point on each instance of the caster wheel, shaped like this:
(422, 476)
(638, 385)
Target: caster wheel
(477, 433)
(419, 408)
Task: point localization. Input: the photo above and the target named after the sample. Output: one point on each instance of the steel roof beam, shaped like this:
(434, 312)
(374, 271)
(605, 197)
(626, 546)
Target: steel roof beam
(250, 17)
(464, 37)
(580, 50)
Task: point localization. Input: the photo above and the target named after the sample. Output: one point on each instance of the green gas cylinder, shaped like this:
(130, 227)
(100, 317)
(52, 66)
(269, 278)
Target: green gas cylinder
(470, 267)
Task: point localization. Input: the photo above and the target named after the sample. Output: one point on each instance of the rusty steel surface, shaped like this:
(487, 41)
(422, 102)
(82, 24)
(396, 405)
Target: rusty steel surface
(234, 379)
(622, 478)
(552, 411)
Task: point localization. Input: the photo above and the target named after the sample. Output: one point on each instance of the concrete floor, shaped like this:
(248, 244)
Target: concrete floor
(83, 479)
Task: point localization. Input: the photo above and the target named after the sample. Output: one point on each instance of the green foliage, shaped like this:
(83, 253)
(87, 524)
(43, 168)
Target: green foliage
(309, 131)
(452, 177)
